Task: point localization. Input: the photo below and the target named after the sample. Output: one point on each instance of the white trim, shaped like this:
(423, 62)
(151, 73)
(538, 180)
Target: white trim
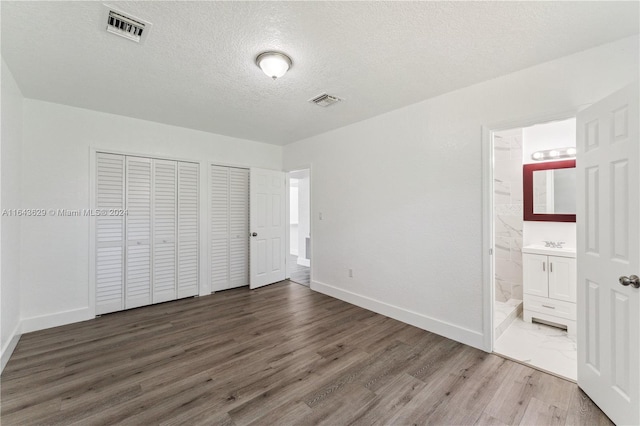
(287, 232)
(488, 287)
(306, 166)
(92, 237)
(9, 347)
(451, 331)
(142, 155)
(55, 320)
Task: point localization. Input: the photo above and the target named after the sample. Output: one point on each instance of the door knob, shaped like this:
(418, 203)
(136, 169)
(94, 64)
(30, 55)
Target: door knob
(255, 234)
(632, 280)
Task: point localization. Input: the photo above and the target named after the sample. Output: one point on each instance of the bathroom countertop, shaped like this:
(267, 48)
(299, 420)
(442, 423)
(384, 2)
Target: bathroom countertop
(549, 251)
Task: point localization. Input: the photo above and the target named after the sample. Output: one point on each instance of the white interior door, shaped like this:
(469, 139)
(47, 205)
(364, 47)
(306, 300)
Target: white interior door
(109, 233)
(188, 205)
(220, 228)
(608, 219)
(165, 179)
(267, 227)
(238, 227)
(138, 226)
(229, 227)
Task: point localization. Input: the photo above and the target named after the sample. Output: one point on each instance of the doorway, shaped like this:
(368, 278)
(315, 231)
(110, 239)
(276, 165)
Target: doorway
(299, 254)
(534, 266)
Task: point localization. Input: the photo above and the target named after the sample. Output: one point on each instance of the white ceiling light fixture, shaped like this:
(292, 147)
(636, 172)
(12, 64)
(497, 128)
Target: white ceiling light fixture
(274, 64)
(554, 154)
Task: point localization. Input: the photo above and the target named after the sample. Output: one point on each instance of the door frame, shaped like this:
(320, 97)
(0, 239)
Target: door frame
(488, 275)
(307, 166)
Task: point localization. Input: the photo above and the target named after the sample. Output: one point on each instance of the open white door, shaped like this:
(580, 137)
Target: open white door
(267, 227)
(608, 232)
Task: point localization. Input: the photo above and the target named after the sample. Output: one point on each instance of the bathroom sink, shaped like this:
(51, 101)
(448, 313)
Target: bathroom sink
(549, 251)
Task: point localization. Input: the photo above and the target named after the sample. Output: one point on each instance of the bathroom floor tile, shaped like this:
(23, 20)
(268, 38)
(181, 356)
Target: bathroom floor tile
(548, 348)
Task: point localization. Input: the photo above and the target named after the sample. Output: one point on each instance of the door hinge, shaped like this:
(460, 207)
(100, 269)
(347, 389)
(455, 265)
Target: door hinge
(490, 252)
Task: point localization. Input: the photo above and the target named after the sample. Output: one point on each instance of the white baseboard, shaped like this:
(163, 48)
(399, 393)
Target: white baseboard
(9, 347)
(54, 320)
(451, 331)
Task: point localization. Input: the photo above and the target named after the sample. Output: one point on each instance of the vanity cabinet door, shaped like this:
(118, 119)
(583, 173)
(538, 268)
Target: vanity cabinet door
(535, 273)
(562, 278)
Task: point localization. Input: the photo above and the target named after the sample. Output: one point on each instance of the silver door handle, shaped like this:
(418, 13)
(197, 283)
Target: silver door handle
(632, 280)
(550, 266)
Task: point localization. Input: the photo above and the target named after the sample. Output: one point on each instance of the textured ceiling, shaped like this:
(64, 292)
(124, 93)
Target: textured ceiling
(196, 68)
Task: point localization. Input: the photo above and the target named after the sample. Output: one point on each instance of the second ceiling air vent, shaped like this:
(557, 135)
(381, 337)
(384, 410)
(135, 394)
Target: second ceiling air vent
(325, 100)
(126, 26)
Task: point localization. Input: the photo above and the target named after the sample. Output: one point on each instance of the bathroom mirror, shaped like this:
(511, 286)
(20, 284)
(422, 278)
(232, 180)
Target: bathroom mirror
(550, 191)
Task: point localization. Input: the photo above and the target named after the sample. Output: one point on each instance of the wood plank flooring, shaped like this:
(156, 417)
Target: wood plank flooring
(282, 354)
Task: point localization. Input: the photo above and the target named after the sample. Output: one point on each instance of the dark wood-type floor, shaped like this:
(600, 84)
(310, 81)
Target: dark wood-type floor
(279, 355)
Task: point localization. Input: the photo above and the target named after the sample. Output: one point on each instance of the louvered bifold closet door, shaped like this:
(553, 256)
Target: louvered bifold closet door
(165, 203)
(138, 259)
(238, 227)
(219, 228)
(187, 229)
(109, 233)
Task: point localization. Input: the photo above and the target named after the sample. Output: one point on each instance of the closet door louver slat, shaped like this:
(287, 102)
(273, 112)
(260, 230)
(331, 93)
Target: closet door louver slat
(149, 255)
(138, 260)
(109, 234)
(229, 227)
(187, 229)
(238, 227)
(219, 228)
(164, 230)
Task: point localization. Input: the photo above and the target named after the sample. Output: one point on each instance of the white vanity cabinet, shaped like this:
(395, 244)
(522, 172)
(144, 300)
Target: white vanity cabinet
(549, 285)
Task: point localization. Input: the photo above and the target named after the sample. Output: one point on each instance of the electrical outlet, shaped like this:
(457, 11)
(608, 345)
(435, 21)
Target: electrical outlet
(350, 273)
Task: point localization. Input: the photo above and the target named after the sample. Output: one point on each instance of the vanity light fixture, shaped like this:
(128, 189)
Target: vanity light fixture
(274, 64)
(554, 154)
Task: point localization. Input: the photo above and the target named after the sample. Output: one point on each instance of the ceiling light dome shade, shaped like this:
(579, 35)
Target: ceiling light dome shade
(274, 64)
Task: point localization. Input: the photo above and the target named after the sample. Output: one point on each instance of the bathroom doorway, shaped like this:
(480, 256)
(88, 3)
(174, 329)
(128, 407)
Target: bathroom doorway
(534, 241)
(299, 254)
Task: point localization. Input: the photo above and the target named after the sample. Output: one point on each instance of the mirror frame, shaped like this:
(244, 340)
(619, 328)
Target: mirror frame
(527, 191)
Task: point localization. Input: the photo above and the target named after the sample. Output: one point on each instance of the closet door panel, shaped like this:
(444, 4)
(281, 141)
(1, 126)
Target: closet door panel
(138, 222)
(219, 228)
(238, 227)
(187, 229)
(164, 230)
(109, 234)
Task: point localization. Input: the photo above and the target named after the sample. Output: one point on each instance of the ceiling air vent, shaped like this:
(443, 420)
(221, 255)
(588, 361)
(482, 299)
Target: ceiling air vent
(325, 100)
(126, 26)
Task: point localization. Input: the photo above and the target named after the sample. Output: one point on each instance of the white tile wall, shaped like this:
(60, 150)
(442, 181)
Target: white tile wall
(508, 222)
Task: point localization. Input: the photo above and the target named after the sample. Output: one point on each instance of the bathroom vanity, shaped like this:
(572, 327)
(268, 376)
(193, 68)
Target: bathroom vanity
(549, 285)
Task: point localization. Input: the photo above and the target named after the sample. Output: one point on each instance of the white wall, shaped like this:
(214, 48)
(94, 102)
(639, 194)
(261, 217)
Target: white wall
(55, 174)
(10, 154)
(401, 193)
(558, 134)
